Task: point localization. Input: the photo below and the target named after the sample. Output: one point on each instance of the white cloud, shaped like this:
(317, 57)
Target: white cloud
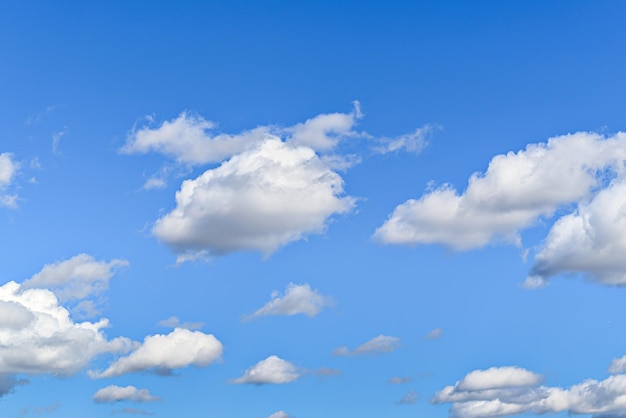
(516, 391)
(409, 398)
(162, 353)
(56, 140)
(323, 132)
(272, 370)
(258, 200)
(76, 278)
(174, 322)
(298, 299)
(8, 169)
(516, 189)
(413, 142)
(591, 241)
(154, 183)
(618, 365)
(188, 140)
(377, 345)
(115, 393)
(37, 335)
(279, 414)
(434, 334)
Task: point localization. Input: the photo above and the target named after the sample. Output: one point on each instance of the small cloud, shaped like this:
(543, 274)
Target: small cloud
(410, 398)
(56, 140)
(413, 142)
(115, 393)
(399, 380)
(280, 414)
(154, 183)
(377, 345)
(272, 370)
(298, 299)
(434, 334)
(174, 322)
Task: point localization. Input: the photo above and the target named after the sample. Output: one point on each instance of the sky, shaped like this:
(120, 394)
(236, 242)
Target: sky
(312, 209)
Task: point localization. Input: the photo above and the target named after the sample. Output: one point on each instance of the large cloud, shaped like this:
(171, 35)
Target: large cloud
(591, 240)
(377, 345)
(162, 353)
(8, 168)
(37, 335)
(258, 200)
(512, 390)
(516, 189)
(115, 393)
(298, 299)
(272, 370)
(76, 278)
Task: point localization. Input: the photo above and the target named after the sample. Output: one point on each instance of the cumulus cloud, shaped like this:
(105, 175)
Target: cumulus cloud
(513, 390)
(279, 414)
(377, 345)
(37, 335)
(272, 370)
(8, 382)
(162, 353)
(298, 299)
(115, 393)
(76, 278)
(8, 169)
(512, 194)
(259, 200)
(591, 241)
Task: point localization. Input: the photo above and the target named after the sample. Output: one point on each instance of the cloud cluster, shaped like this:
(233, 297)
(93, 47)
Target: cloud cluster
(298, 299)
(585, 168)
(115, 393)
(8, 169)
(162, 353)
(272, 370)
(377, 345)
(279, 414)
(274, 185)
(37, 335)
(260, 200)
(502, 391)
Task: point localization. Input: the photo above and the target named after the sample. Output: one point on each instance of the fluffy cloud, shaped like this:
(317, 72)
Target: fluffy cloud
(115, 393)
(272, 370)
(377, 345)
(162, 353)
(37, 335)
(516, 189)
(591, 241)
(259, 200)
(8, 169)
(512, 390)
(76, 278)
(298, 299)
(189, 138)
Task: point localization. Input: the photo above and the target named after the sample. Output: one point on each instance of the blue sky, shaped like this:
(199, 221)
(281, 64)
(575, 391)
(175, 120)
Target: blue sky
(322, 209)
